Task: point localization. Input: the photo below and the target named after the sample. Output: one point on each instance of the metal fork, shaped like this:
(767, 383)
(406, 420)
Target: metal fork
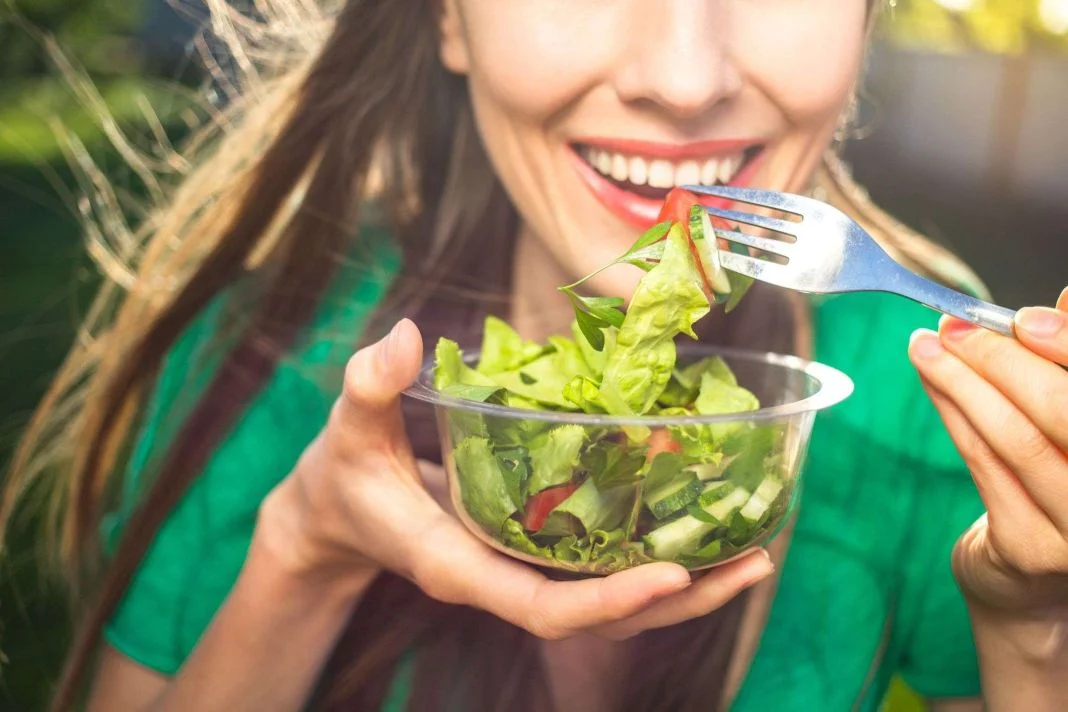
(832, 254)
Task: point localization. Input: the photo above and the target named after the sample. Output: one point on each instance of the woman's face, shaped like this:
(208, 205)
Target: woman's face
(591, 109)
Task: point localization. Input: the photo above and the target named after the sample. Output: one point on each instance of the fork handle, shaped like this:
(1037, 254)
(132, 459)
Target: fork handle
(949, 301)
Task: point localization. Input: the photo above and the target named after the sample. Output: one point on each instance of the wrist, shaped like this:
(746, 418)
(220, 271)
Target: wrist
(1038, 639)
(297, 558)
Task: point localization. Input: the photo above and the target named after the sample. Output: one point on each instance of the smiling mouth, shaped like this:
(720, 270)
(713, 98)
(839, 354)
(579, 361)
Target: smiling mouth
(653, 178)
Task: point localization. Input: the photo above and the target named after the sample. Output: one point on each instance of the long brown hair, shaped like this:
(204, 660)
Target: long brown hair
(325, 114)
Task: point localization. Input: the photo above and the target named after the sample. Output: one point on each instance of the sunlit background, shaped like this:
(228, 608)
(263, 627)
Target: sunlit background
(961, 132)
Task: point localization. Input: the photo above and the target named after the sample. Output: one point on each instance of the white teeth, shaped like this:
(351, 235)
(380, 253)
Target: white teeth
(727, 169)
(687, 173)
(603, 162)
(709, 172)
(639, 171)
(661, 174)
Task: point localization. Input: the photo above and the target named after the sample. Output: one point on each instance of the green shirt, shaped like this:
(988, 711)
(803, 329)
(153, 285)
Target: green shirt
(866, 591)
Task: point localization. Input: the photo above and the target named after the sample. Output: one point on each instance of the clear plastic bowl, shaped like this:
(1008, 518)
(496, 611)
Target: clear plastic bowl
(759, 470)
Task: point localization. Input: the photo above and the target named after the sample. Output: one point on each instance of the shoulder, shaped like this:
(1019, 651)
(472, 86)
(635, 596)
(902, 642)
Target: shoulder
(200, 547)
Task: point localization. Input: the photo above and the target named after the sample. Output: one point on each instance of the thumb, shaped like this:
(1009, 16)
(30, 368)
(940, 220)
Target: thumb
(375, 377)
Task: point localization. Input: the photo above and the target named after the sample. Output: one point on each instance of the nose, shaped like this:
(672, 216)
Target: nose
(679, 57)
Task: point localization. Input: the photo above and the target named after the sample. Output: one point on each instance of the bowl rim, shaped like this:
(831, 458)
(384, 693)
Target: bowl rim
(834, 387)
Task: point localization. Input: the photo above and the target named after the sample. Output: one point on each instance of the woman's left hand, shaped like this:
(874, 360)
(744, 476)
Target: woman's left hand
(1005, 404)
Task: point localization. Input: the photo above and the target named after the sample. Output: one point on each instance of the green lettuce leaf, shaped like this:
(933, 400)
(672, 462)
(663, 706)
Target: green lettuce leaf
(740, 283)
(667, 302)
(718, 397)
(595, 359)
(450, 369)
(588, 508)
(514, 536)
(585, 394)
(665, 469)
(480, 394)
(553, 461)
(514, 463)
(572, 549)
(612, 464)
(482, 486)
(756, 452)
(545, 379)
(685, 383)
(503, 349)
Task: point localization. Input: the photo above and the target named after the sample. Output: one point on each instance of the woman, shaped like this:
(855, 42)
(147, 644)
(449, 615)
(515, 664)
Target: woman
(281, 541)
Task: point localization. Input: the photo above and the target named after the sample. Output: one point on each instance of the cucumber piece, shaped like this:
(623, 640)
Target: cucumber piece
(684, 535)
(672, 496)
(710, 550)
(713, 492)
(712, 470)
(677, 537)
(724, 508)
(761, 500)
(704, 239)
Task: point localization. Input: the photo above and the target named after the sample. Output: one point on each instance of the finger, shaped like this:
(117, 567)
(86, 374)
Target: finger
(1062, 303)
(458, 568)
(1015, 524)
(368, 410)
(1037, 463)
(1044, 331)
(1001, 491)
(1037, 386)
(709, 593)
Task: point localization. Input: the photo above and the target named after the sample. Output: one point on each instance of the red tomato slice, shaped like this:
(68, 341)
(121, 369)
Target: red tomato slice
(677, 206)
(661, 441)
(539, 506)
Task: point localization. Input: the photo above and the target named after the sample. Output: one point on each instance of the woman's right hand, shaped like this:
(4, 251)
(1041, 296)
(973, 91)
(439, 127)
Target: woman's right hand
(356, 504)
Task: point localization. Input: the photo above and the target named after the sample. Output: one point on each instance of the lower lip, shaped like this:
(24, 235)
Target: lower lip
(638, 210)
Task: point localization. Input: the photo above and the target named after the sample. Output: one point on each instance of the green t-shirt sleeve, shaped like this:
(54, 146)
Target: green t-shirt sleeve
(199, 550)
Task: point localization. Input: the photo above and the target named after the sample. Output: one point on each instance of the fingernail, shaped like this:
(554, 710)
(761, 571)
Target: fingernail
(956, 329)
(760, 567)
(388, 345)
(1040, 321)
(925, 344)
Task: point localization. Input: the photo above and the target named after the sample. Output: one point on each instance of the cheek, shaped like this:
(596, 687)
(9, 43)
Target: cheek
(804, 55)
(526, 61)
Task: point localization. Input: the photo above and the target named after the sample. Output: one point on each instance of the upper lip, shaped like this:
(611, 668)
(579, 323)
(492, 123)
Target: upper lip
(695, 150)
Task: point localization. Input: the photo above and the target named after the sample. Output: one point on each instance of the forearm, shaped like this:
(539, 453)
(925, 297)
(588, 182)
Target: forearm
(267, 644)
(1024, 664)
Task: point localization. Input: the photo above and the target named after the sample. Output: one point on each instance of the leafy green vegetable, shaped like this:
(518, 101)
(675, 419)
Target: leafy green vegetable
(572, 549)
(480, 394)
(514, 536)
(595, 358)
(607, 498)
(482, 486)
(740, 283)
(514, 463)
(667, 302)
(717, 397)
(592, 314)
(503, 349)
(585, 394)
(553, 461)
(612, 464)
(451, 369)
(589, 508)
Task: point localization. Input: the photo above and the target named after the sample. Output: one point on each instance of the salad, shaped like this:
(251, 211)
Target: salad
(595, 498)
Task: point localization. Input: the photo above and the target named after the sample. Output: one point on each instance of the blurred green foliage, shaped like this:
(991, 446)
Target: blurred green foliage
(100, 33)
